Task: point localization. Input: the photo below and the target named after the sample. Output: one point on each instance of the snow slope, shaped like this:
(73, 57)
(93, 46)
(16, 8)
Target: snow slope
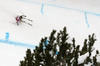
(81, 17)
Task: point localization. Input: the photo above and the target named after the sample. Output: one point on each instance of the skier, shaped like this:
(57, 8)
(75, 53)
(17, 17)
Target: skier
(19, 19)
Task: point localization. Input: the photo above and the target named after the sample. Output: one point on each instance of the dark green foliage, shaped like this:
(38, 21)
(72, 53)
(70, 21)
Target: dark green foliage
(68, 53)
(73, 43)
(84, 48)
(91, 43)
(97, 52)
(28, 59)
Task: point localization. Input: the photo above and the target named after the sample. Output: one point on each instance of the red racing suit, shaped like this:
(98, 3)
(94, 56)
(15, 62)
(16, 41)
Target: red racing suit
(18, 19)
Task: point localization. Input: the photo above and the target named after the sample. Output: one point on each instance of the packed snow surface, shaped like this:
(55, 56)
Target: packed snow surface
(81, 17)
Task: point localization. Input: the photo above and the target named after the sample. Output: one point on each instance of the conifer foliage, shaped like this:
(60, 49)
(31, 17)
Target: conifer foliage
(55, 50)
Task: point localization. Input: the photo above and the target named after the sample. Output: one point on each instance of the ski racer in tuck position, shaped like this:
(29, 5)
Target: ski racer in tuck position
(19, 19)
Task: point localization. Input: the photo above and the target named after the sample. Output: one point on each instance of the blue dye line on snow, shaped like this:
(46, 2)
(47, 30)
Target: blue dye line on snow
(17, 43)
(7, 36)
(59, 6)
(88, 12)
(86, 19)
(42, 8)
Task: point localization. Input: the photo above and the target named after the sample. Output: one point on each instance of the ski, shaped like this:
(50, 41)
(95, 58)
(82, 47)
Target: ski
(27, 23)
(29, 20)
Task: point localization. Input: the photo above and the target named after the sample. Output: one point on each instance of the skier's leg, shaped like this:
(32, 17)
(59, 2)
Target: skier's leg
(17, 23)
(21, 20)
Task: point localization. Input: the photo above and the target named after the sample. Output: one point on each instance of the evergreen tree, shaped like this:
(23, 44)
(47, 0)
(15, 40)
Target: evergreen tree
(28, 59)
(84, 48)
(47, 54)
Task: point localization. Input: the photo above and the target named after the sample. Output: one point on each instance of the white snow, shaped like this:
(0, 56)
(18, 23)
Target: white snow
(56, 15)
(82, 58)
